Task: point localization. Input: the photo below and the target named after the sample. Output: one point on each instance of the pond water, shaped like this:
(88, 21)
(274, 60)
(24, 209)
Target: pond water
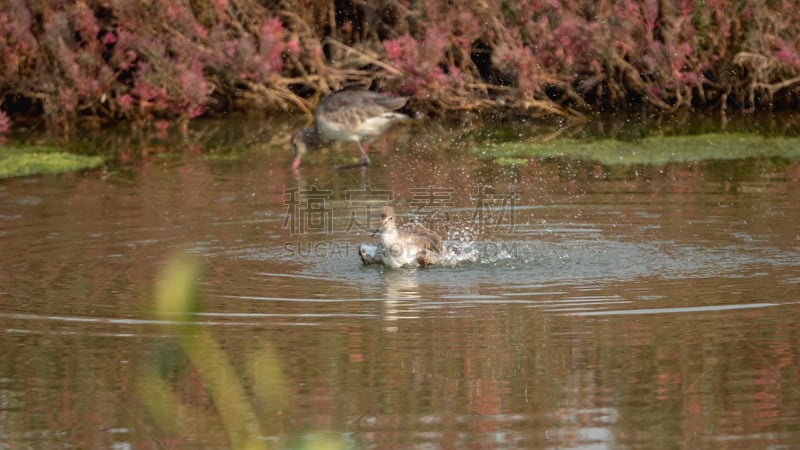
(591, 306)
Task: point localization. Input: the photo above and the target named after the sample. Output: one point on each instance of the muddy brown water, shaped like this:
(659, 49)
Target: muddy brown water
(588, 306)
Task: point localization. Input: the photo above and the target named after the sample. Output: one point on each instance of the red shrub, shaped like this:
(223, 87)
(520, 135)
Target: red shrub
(163, 60)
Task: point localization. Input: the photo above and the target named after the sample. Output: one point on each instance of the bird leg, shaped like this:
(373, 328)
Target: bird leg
(364, 159)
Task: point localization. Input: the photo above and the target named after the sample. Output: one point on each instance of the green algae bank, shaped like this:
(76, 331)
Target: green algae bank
(613, 287)
(656, 150)
(16, 161)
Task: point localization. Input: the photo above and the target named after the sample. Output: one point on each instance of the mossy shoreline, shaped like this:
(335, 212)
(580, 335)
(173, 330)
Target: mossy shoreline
(654, 150)
(18, 161)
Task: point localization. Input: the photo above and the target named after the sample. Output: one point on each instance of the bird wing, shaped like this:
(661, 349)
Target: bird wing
(390, 103)
(360, 103)
(357, 115)
(431, 238)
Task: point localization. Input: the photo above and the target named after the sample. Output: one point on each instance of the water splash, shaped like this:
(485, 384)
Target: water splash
(456, 252)
(478, 252)
(468, 244)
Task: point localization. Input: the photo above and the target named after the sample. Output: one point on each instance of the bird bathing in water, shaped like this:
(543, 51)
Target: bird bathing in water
(357, 116)
(415, 245)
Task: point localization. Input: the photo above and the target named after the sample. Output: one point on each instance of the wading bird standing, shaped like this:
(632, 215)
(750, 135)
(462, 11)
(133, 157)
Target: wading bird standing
(349, 116)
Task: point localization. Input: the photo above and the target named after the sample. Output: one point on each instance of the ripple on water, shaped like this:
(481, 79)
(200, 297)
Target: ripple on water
(551, 275)
(679, 310)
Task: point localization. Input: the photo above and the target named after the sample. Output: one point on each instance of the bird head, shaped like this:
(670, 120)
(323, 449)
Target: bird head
(299, 148)
(387, 219)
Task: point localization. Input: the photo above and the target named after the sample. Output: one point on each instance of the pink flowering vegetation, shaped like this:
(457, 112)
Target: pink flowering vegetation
(5, 126)
(161, 62)
(436, 64)
(157, 61)
(575, 56)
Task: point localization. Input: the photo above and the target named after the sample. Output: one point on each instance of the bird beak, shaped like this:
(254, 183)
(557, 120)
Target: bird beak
(380, 227)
